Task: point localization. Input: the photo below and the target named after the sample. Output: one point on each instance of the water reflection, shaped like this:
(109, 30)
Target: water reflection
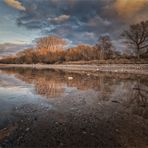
(55, 83)
(130, 90)
(137, 99)
(114, 104)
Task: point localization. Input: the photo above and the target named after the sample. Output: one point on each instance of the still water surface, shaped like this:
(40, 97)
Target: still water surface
(107, 109)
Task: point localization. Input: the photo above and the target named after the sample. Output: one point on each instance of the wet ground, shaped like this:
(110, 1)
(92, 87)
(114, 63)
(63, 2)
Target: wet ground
(48, 108)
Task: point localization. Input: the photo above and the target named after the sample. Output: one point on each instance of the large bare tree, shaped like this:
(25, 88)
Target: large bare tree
(50, 43)
(137, 38)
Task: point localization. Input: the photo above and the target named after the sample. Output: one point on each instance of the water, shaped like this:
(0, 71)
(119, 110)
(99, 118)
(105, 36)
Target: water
(111, 107)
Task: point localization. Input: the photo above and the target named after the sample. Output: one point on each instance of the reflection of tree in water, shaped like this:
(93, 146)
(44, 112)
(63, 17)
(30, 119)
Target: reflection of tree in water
(138, 100)
(141, 96)
(46, 83)
(52, 83)
(50, 88)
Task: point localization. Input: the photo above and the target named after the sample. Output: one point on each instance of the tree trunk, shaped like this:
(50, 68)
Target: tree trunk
(138, 56)
(138, 53)
(102, 54)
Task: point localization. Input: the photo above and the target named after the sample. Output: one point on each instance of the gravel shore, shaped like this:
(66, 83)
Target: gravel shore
(115, 68)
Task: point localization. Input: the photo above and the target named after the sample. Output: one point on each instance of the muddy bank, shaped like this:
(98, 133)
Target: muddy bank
(114, 68)
(76, 124)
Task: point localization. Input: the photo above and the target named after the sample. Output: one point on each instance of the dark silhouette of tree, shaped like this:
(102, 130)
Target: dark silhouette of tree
(105, 46)
(137, 38)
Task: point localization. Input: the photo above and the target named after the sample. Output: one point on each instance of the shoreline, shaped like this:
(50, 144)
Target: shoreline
(113, 68)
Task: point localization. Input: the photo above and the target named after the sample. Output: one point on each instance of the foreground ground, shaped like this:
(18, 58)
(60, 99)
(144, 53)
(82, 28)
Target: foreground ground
(106, 126)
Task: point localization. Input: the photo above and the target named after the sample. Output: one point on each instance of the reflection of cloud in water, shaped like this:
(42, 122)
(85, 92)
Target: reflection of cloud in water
(9, 80)
(14, 92)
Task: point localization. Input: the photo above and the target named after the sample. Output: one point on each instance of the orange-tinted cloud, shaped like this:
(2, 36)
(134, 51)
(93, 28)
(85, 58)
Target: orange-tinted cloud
(15, 4)
(128, 8)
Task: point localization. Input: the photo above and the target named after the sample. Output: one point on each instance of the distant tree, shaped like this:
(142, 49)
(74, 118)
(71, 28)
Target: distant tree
(105, 46)
(137, 38)
(8, 60)
(50, 43)
(81, 52)
(25, 56)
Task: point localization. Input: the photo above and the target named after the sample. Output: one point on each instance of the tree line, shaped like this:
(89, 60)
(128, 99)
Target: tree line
(52, 49)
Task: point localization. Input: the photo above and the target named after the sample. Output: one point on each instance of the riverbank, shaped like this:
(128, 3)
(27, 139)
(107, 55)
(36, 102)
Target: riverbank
(114, 68)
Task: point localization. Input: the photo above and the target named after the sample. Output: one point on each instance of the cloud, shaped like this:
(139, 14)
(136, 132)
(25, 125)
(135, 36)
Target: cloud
(60, 19)
(81, 20)
(15, 4)
(10, 48)
(128, 8)
(97, 20)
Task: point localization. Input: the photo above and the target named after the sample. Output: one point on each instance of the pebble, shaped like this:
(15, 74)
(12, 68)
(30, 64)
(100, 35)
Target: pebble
(27, 129)
(84, 132)
(56, 123)
(92, 134)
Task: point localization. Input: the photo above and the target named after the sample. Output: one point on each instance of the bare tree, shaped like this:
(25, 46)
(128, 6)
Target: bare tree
(50, 43)
(81, 52)
(137, 37)
(105, 46)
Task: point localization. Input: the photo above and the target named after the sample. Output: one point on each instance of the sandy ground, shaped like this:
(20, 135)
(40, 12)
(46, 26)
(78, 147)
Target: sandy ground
(115, 68)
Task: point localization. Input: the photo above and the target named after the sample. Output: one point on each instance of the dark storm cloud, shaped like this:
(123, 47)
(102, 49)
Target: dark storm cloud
(78, 20)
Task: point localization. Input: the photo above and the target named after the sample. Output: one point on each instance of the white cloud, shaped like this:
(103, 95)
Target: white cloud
(59, 19)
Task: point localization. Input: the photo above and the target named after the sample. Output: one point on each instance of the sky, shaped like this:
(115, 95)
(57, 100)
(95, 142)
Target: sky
(78, 21)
